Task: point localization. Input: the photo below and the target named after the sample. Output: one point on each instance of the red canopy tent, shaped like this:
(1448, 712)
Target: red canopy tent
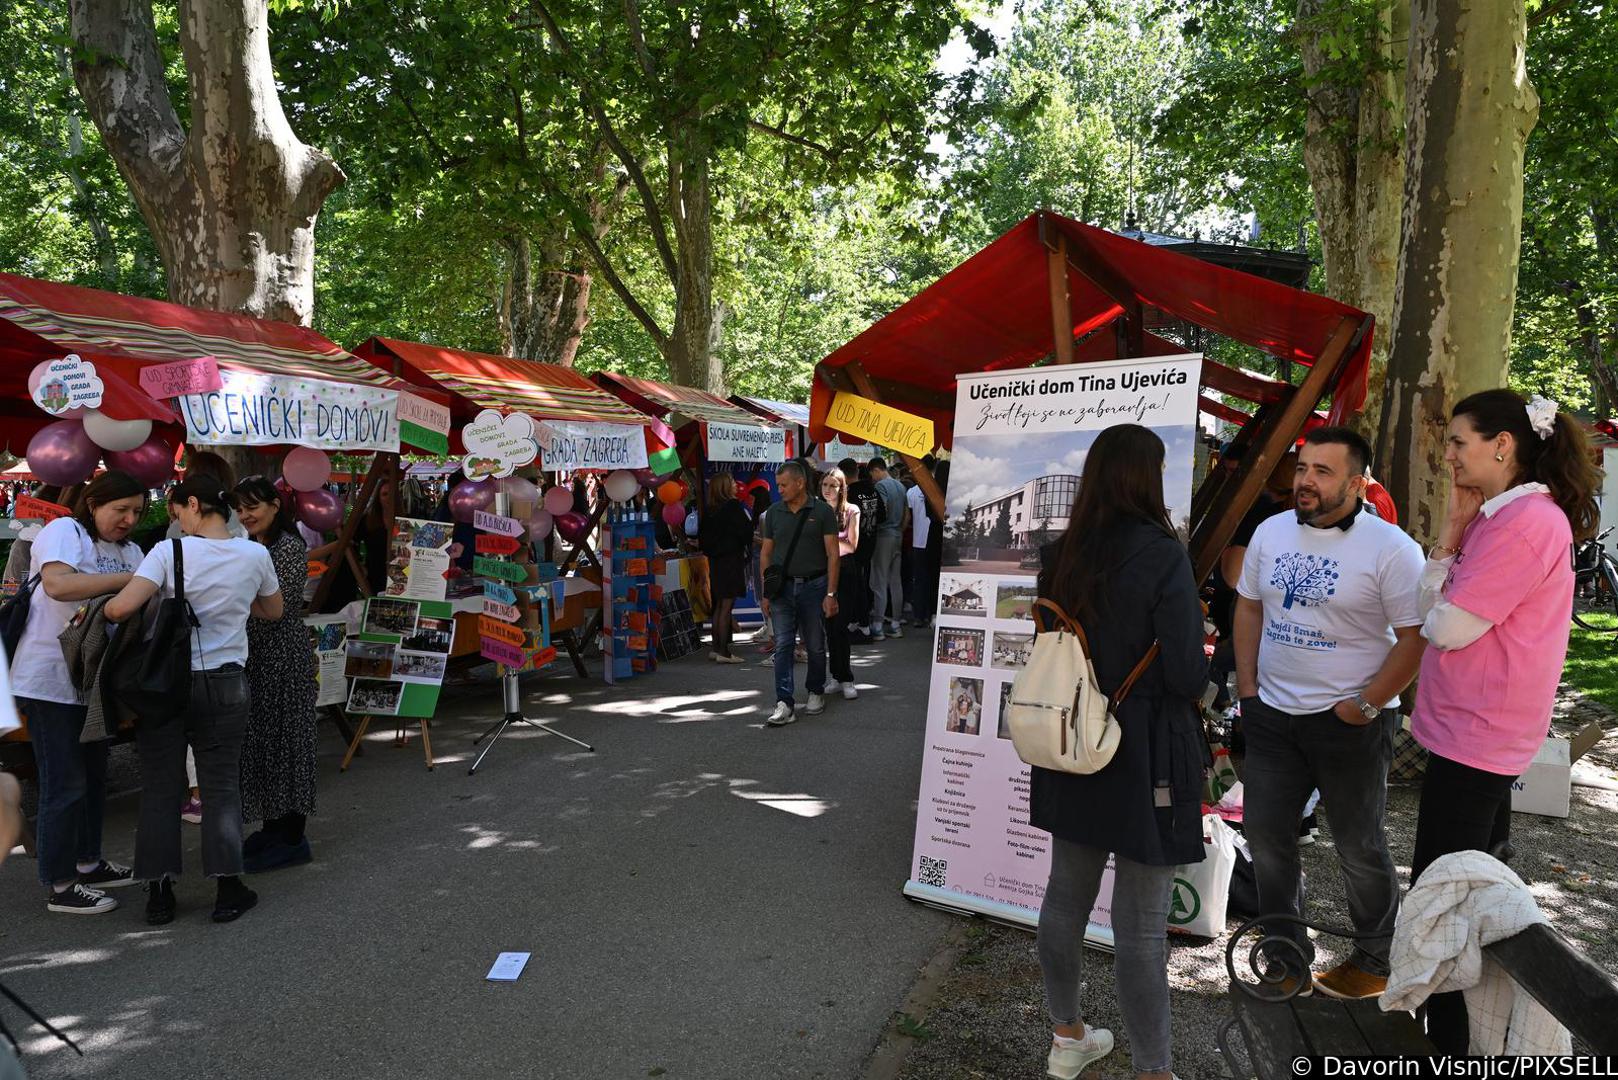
(1054, 288)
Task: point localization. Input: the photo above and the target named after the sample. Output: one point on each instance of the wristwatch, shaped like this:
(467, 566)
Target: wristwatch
(832, 594)
(1367, 710)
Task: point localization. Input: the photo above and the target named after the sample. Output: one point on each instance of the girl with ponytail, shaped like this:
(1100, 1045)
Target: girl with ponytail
(1496, 600)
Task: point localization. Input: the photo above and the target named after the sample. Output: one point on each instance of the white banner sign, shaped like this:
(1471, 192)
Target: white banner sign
(1020, 442)
(254, 409)
(743, 442)
(568, 444)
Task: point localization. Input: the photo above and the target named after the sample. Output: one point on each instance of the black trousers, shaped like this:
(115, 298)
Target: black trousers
(854, 590)
(1462, 809)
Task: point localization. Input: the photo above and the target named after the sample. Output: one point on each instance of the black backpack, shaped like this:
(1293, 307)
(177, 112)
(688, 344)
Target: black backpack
(152, 678)
(14, 616)
(873, 509)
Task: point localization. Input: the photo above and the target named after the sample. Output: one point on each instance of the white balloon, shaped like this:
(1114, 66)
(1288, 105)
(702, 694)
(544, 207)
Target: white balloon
(115, 435)
(622, 486)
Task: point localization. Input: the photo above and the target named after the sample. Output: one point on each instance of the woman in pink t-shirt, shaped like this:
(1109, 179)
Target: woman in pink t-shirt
(1496, 598)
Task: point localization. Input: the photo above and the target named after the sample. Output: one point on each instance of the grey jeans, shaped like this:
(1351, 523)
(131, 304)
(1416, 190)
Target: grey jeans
(213, 725)
(887, 583)
(1287, 758)
(1140, 919)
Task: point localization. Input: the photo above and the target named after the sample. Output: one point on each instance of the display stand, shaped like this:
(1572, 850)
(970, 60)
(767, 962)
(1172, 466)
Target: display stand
(401, 736)
(630, 619)
(510, 688)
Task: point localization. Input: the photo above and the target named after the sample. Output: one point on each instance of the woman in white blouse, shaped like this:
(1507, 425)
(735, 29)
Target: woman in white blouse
(226, 580)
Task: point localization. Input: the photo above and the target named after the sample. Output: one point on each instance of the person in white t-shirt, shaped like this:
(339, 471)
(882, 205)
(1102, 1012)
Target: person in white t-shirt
(226, 580)
(75, 559)
(1327, 633)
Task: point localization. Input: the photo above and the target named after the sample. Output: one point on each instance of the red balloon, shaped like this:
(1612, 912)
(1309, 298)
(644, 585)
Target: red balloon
(572, 526)
(151, 463)
(319, 509)
(674, 515)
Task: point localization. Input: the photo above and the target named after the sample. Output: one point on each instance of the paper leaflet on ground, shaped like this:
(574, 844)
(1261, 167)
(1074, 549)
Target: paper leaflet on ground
(1020, 442)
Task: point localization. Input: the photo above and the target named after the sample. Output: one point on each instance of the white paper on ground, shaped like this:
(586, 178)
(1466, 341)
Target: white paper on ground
(507, 966)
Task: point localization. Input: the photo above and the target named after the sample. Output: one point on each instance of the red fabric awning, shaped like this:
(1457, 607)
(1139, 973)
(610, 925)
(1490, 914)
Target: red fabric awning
(676, 404)
(993, 312)
(480, 381)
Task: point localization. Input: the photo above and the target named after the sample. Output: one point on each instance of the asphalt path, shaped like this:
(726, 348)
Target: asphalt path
(703, 897)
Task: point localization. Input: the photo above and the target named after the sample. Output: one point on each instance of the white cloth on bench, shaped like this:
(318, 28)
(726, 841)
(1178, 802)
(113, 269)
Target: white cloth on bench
(1463, 902)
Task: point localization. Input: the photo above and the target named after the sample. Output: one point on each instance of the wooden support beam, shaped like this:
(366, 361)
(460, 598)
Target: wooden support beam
(929, 486)
(898, 393)
(1254, 388)
(1272, 438)
(381, 465)
(1061, 300)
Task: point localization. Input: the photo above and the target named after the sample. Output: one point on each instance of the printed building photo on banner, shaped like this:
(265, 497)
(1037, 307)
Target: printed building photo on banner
(1011, 650)
(369, 659)
(431, 635)
(1016, 467)
(963, 647)
(964, 706)
(388, 616)
(375, 696)
(963, 596)
(1015, 600)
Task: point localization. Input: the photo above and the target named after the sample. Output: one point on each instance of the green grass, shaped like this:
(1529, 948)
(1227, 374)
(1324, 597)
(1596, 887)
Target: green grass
(1592, 660)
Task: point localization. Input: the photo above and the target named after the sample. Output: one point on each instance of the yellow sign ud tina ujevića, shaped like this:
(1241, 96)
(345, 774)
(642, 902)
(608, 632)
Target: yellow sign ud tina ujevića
(881, 424)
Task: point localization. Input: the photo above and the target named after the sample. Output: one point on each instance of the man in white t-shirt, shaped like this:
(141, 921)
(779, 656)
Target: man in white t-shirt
(1326, 636)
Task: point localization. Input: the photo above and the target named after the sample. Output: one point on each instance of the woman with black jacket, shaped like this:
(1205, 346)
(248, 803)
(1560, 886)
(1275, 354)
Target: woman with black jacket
(726, 537)
(1122, 573)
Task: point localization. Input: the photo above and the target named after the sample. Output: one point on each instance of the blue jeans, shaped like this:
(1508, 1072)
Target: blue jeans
(798, 609)
(72, 788)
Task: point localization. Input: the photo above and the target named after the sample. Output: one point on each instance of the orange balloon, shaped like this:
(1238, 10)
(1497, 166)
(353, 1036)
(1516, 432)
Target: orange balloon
(669, 492)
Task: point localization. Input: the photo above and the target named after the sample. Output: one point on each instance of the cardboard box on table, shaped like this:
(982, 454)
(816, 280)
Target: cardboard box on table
(1547, 787)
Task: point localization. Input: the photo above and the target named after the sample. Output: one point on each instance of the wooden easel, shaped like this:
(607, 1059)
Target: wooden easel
(401, 736)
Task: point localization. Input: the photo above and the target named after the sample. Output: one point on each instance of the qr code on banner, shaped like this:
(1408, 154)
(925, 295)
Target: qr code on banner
(934, 872)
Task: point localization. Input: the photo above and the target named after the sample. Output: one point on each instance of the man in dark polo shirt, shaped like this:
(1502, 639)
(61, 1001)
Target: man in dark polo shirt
(808, 593)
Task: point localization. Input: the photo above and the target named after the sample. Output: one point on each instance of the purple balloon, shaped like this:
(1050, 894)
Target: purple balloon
(319, 509)
(62, 454)
(469, 497)
(673, 515)
(151, 463)
(572, 526)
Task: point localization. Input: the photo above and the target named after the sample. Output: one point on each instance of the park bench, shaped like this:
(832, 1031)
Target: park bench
(1276, 1026)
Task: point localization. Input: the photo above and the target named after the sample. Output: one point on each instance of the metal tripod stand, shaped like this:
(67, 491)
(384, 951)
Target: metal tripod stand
(512, 698)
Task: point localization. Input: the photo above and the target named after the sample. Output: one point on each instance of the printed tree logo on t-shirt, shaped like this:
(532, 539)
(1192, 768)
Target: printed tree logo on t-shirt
(1305, 580)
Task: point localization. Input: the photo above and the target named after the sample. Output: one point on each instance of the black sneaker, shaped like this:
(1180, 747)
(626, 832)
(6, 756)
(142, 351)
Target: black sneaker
(77, 900)
(234, 901)
(108, 875)
(159, 902)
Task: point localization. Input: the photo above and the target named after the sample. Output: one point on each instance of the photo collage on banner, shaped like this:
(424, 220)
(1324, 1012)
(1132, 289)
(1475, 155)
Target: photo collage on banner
(395, 664)
(1019, 447)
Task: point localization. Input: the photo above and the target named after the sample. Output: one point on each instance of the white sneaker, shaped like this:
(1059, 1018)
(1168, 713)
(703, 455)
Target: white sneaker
(849, 692)
(877, 634)
(1067, 1062)
(724, 658)
(833, 687)
(816, 706)
(896, 631)
(782, 715)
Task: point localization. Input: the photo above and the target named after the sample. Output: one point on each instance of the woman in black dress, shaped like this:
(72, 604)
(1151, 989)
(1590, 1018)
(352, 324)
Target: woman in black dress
(1122, 574)
(278, 753)
(726, 537)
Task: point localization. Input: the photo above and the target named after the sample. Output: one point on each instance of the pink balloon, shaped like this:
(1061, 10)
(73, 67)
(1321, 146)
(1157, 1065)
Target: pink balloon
(559, 500)
(61, 453)
(573, 526)
(674, 515)
(521, 492)
(468, 497)
(540, 523)
(306, 468)
(319, 509)
(151, 463)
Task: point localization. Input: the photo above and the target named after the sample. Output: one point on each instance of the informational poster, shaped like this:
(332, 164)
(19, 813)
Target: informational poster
(255, 409)
(1018, 458)
(395, 664)
(418, 559)
(571, 444)
(327, 633)
(745, 442)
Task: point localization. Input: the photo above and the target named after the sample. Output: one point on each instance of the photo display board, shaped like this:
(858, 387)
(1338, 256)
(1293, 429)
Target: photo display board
(1020, 442)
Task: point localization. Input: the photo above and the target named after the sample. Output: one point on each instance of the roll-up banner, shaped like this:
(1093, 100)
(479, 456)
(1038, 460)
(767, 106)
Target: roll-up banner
(1018, 457)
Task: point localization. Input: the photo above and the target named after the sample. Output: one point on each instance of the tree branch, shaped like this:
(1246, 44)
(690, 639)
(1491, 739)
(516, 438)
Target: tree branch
(637, 38)
(119, 72)
(654, 213)
(584, 227)
(797, 140)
